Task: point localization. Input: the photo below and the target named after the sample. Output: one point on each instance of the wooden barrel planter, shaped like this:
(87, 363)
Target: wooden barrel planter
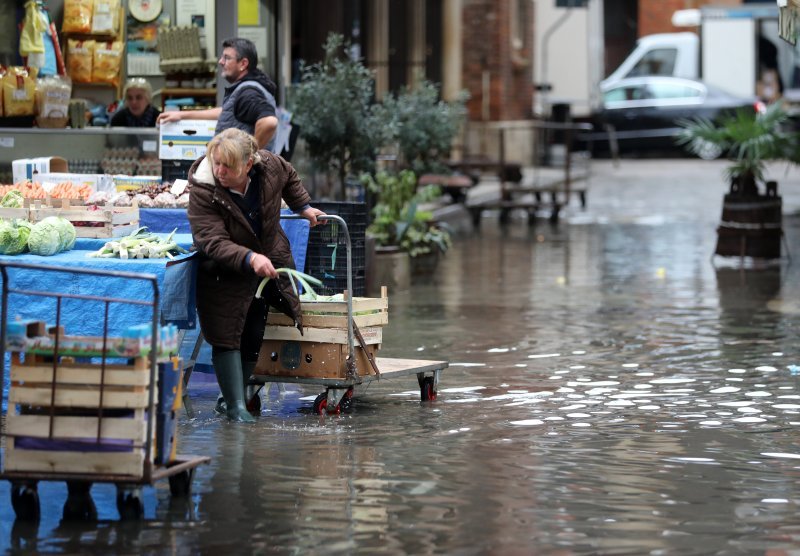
(751, 224)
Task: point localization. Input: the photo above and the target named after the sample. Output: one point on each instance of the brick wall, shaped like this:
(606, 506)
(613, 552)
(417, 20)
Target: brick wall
(487, 48)
(655, 15)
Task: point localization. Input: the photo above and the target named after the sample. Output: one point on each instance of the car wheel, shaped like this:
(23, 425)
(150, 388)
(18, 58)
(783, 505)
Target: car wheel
(707, 150)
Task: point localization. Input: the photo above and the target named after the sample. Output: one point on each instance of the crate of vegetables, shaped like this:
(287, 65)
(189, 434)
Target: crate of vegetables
(52, 189)
(91, 221)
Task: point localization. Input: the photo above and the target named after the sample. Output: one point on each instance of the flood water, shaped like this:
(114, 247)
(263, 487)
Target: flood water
(610, 391)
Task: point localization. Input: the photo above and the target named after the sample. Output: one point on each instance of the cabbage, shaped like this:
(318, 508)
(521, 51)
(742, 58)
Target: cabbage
(12, 199)
(66, 231)
(14, 236)
(44, 238)
(69, 232)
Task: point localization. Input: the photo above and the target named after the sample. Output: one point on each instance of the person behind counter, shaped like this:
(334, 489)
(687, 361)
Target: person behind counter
(249, 103)
(234, 214)
(138, 110)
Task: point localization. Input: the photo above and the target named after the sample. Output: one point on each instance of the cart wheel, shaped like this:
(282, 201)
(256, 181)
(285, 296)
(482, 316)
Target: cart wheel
(79, 508)
(254, 404)
(130, 505)
(25, 501)
(346, 403)
(427, 391)
(321, 404)
(180, 484)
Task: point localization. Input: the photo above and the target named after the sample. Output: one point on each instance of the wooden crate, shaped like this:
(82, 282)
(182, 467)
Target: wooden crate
(21, 213)
(310, 359)
(372, 334)
(92, 222)
(70, 408)
(367, 312)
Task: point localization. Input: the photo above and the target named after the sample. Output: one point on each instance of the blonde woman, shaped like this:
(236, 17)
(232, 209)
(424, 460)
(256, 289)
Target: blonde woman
(234, 213)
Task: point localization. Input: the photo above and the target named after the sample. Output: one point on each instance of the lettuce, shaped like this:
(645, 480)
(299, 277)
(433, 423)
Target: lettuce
(14, 236)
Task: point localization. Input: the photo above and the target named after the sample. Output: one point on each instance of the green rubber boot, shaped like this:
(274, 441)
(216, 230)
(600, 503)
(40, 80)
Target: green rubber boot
(228, 368)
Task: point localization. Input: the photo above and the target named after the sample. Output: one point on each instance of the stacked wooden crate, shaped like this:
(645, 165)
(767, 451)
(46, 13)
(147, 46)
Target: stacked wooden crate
(89, 221)
(66, 416)
(322, 350)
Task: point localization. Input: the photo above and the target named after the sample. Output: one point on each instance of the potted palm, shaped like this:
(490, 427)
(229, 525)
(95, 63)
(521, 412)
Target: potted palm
(752, 210)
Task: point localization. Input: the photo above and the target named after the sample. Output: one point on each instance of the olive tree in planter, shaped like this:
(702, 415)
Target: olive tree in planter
(423, 126)
(333, 105)
(752, 210)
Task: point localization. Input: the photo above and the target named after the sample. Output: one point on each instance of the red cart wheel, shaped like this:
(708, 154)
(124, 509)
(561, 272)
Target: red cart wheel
(321, 403)
(427, 390)
(347, 400)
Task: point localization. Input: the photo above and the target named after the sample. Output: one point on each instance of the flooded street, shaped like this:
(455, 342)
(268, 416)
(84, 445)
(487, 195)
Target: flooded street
(610, 391)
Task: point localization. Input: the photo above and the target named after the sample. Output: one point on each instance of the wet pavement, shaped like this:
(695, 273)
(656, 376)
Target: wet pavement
(611, 390)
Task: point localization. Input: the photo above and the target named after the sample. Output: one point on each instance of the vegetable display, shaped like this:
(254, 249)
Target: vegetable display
(141, 244)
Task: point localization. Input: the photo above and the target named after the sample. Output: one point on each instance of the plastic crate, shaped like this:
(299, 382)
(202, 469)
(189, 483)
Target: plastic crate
(326, 256)
(172, 170)
(354, 214)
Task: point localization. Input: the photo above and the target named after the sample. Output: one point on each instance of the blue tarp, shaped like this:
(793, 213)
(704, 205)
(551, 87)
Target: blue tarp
(82, 317)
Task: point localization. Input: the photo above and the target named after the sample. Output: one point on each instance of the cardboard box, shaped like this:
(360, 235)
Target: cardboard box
(25, 168)
(310, 359)
(185, 140)
(134, 183)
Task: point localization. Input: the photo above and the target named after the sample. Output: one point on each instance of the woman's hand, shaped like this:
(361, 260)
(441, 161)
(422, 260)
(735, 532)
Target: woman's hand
(262, 266)
(311, 215)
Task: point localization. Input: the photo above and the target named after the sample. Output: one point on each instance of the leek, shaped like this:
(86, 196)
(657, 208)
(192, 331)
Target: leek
(304, 279)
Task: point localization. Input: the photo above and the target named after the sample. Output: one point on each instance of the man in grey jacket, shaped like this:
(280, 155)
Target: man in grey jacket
(249, 102)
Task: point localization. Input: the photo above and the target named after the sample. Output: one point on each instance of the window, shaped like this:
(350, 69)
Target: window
(660, 61)
(673, 91)
(620, 94)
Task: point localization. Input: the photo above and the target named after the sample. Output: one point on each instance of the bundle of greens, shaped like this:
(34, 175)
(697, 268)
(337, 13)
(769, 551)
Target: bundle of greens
(304, 279)
(141, 244)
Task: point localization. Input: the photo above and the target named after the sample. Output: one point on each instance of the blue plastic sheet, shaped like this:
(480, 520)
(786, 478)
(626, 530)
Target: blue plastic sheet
(176, 284)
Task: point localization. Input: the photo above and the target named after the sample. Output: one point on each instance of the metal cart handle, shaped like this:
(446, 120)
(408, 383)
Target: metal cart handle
(350, 341)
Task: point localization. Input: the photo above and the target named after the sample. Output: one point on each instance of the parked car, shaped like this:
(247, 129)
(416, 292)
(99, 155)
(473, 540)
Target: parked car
(642, 113)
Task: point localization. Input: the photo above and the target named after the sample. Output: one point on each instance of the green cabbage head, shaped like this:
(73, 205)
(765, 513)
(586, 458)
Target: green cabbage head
(66, 231)
(45, 238)
(14, 236)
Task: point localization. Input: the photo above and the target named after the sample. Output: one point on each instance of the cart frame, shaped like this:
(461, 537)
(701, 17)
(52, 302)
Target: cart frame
(79, 504)
(339, 391)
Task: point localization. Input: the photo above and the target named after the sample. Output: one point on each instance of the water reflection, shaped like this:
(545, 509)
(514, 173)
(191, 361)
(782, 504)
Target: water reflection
(610, 392)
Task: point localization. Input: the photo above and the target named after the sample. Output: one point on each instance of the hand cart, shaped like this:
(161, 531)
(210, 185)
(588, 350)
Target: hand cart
(362, 367)
(71, 418)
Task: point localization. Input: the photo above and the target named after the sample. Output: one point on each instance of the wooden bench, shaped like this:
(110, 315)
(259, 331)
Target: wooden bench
(456, 185)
